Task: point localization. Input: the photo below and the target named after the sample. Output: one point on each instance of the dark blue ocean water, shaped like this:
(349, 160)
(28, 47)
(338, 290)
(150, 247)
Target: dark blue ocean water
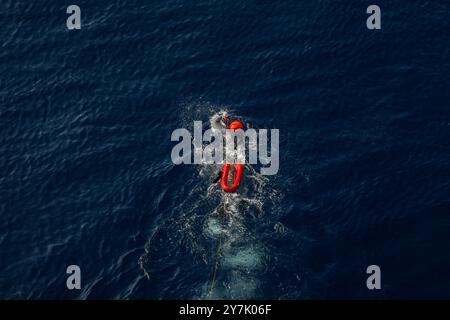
(86, 176)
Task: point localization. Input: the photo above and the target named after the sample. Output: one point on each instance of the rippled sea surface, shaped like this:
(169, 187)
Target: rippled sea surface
(86, 176)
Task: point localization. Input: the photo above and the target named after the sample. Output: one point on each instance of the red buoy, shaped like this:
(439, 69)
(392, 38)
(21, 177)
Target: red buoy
(237, 180)
(235, 125)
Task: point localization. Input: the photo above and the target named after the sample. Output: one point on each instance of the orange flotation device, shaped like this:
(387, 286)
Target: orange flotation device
(235, 125)
(237, 180)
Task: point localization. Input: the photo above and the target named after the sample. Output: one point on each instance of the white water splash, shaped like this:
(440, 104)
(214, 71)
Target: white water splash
(229, 221)
(241, 256)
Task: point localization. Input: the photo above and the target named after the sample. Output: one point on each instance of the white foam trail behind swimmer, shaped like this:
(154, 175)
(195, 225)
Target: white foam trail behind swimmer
(241, 256)
(230, 220)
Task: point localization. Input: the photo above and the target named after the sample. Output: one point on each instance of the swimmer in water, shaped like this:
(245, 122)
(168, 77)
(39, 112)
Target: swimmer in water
(228, 123)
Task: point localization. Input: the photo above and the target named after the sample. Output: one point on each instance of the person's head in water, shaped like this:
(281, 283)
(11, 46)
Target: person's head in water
(230, 123)
(236, 125)
(233, 125)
